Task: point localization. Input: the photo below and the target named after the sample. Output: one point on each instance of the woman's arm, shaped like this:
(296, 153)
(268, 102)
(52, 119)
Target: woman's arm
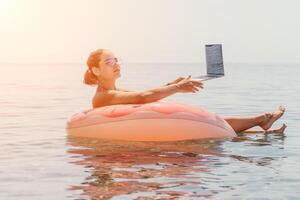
(167, 84)
(159, 93)
(184, 85)
(112, 97)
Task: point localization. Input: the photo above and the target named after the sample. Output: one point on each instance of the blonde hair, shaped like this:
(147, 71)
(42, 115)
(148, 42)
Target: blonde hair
(93, 61)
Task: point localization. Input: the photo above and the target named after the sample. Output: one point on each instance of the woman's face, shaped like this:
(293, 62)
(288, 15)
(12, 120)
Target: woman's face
(109, 66)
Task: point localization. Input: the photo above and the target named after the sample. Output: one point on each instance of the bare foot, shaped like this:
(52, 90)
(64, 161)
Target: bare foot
(270, 119)
(279, 130)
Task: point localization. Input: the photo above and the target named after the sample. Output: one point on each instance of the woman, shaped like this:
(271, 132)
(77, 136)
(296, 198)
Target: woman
(104, 69)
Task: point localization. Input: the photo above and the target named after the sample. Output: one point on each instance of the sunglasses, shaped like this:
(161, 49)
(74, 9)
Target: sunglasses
(113, 61)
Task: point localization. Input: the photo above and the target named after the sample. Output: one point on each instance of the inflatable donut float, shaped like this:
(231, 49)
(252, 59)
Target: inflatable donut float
(156, 121)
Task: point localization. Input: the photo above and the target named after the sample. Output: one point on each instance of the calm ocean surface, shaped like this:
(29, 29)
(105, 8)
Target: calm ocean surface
(38, 160)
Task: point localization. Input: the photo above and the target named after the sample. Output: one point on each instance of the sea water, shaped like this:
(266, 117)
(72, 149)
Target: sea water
(38, 160)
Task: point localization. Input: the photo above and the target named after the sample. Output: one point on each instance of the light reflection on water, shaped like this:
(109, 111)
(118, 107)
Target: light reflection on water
(119, 168)
(187, 169)
(38, 160)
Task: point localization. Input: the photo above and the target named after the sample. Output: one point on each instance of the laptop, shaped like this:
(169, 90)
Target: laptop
(214, 62)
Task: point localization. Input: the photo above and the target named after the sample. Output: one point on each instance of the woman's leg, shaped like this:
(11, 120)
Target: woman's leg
(278, 130)
(240, 124)
(264, 120)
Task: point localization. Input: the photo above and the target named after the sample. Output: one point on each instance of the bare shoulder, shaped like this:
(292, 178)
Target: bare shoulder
(112, 97)
(102, 98)
(105, 98)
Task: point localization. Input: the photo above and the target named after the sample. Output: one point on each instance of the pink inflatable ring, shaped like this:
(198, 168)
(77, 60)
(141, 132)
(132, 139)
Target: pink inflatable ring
(157, 121)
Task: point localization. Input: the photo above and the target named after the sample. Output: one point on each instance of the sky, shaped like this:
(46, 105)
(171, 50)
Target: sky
(66, 31)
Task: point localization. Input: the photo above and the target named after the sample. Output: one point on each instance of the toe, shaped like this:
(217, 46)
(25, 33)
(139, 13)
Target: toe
(282, 108)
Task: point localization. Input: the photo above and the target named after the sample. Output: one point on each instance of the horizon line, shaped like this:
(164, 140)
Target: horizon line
(147, 62)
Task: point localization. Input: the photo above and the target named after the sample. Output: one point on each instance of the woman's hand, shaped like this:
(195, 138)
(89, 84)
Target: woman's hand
(186, 85)
(176, 80)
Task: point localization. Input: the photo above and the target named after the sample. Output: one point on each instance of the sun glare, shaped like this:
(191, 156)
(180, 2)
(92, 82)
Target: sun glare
(7, 8)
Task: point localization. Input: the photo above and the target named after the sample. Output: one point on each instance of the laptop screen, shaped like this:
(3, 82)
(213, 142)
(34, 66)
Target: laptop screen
(214, 59)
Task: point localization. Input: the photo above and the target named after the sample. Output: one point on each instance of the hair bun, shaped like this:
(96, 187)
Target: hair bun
(89, 77)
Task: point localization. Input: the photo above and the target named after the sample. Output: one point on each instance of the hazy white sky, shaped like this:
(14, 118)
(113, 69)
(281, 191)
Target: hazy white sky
(255, 31)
